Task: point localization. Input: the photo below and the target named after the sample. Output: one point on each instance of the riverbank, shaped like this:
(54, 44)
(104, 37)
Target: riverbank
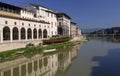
(28, 52)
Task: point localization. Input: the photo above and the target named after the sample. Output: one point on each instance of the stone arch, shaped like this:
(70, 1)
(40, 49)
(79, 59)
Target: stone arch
(45, 61)
(35, 33)
(6, 33)
(15, 33)
(29, 33)
(44, 33)
(40, 63)
(23, 33)
(40, 33)
(60, 31)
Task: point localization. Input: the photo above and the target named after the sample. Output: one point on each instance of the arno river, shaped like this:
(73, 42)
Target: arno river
(94, 58)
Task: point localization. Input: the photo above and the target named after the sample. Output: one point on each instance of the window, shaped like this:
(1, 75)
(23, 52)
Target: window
(6, 22)
(39, 25)
(52, 32)
(59, 23)
(22, 23)
(29, 24)
(35, 15)
(55, 24)
(15, 23)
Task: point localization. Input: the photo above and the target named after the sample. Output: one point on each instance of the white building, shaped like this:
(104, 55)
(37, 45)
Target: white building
(63, 24)
(18, 27)
(74, 30)
(30, 24)
(44, 14)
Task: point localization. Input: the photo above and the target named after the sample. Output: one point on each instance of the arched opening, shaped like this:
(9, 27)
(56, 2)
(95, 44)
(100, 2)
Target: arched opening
(30, 67)
(6, 33)
(15, 33)
(35, 34)
(40, 63)
(45, 61)
(29, 33)
(23, 33)
(35, 65)
(40, 33)
(60, 31)
(23, 70)
(45, 33)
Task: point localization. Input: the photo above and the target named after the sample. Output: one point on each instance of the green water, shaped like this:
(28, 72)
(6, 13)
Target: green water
(94, 58)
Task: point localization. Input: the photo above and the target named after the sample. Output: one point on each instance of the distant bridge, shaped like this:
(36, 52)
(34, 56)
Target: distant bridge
(103, 35)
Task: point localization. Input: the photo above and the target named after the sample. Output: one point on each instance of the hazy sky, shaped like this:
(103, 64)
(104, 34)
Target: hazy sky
(86, 13)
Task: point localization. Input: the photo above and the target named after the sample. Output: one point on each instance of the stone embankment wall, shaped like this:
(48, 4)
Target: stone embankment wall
(18, 44)
(78, 38)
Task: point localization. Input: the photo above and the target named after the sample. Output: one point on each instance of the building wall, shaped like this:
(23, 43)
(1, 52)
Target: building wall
(53, 24)
(73, 30)
(79, 32)
(31, 23)
(42, 14)
(65, 24)
(27, 15)
(22, 24)
(7, 43)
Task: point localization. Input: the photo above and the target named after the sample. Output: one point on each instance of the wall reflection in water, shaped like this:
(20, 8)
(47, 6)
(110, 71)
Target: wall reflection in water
(46, 64)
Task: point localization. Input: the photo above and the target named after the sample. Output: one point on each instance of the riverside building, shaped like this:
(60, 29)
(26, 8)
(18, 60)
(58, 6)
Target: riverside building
(30, 23)
(63, 24)
(44, 14)
(74, 30)
(19, 26)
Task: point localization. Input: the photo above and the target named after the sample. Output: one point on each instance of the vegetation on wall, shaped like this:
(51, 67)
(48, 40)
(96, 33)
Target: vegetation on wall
(30, 50)
(56, 40)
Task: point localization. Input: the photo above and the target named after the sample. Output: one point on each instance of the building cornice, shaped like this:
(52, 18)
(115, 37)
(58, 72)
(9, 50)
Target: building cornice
(62, 13)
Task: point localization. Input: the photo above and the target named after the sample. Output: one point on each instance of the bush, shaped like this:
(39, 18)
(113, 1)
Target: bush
(30, 45)
(56, 40)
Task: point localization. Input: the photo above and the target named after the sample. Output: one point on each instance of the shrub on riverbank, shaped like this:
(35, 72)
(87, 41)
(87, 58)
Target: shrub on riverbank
(13, 54)
(56, 40)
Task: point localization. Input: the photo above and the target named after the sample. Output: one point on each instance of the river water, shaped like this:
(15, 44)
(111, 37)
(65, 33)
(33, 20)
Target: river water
(93, 58)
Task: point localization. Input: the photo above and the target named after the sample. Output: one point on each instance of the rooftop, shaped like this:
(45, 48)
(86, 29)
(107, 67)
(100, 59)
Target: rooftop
(9, 5)
(62, 13)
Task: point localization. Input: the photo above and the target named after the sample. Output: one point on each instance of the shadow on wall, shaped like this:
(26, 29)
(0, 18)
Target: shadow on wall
(109, 65)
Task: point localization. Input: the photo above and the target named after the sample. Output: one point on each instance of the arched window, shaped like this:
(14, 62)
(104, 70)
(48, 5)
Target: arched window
(29, 33)
(40, 33)
(45, 33)
(40, 63)
(15, 33)
(35, 34)
(6, 33)
(60, 31)
(45, 61)
(23, 33)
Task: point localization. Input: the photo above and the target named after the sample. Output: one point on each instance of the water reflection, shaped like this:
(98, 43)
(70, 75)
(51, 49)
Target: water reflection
(46, 64)
(110, 39)
(108, 65)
